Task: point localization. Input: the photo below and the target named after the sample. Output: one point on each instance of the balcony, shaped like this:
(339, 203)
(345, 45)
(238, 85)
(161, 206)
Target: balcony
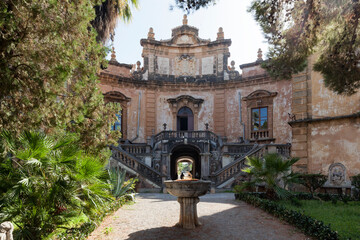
(187, 137)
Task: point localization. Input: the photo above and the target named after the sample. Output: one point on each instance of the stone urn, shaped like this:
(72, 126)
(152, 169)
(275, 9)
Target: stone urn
(188, 192)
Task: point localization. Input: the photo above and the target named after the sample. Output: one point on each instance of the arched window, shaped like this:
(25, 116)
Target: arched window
(121, 122)
(185, 119)
(118, 124)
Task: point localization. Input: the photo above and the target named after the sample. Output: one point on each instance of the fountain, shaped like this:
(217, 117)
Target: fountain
(188, 191)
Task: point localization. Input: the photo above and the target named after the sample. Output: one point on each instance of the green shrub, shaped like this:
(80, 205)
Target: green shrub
(120, 187)
(308, 225)
(272, 170)
(47, 181)
(355, 181)
(312, 181)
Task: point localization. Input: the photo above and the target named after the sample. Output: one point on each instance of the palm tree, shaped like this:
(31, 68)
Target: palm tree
(107, 14)
(48, 181)
(273, 171)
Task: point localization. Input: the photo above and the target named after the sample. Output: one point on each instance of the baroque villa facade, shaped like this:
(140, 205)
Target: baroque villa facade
(187, 104)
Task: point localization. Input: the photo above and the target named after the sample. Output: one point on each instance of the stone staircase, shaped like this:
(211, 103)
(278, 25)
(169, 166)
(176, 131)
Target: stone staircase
(128, 160)
(143, 158)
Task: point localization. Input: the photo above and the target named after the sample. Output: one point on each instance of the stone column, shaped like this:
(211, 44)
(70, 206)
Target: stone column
(188, 212)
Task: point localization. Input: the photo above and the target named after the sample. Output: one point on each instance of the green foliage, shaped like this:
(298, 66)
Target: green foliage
(45, 181)
(89, 226)
(193, 5)
(307, 224)
(120, 187)
(297, 29)
(272, 170)
(355, 181)
(107, 13)
(341, 216)
(312, 181)
(49, 60)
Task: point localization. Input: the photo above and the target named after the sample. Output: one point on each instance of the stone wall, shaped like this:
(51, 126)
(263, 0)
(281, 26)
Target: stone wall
(220, 107)
(325, 127)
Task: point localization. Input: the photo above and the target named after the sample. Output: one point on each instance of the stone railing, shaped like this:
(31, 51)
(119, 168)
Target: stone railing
(229, 171)
(137, 165)
(136, 148)
(237, 148)
(283, 149)
(189, 135)
(260, 134)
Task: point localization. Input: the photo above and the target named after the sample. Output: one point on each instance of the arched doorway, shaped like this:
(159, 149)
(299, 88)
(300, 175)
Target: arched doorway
(185, 154)
(185, 119)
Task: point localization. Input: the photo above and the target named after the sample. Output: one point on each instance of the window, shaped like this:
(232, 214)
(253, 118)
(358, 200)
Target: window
(259, 118)
(121, 122)
(118, 124)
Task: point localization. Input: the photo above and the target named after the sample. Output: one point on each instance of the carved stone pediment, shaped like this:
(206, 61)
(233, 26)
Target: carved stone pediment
(115, 96)
(185, 39)
(259, 94)
(185, 100)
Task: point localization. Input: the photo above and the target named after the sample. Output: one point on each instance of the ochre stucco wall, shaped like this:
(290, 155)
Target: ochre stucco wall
(220, 108)
(326, 103)
(335, 142)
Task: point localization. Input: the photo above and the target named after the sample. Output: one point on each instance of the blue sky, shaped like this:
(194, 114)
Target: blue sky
(238, 24)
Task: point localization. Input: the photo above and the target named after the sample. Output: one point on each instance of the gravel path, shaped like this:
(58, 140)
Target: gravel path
(153, 216)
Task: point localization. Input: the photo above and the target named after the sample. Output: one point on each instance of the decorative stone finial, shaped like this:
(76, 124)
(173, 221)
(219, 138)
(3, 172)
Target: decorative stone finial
(220, 34)
(259, 55)
(151, 34)
(164, 125)
(232, 65)
(113, 55)
(138, 63)
(185, 21)
(206, 126)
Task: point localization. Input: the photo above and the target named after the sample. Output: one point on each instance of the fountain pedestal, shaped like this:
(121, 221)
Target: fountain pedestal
(188, 193)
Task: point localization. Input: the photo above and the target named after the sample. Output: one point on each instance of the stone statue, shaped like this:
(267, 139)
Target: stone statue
(6, 231)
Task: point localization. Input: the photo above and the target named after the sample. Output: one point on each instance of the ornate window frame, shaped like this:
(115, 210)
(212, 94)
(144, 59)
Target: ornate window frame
(118, 97)
(260, 99)
(185, 101)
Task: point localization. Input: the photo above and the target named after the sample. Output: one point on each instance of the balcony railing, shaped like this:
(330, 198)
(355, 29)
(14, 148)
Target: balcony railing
(135, 148)
(260, 134)
(189, 135)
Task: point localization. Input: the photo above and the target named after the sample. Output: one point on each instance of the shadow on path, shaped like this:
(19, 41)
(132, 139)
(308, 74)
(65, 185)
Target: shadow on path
(240, 221)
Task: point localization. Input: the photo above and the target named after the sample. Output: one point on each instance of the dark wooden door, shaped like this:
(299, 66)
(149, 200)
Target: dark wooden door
(185, 119)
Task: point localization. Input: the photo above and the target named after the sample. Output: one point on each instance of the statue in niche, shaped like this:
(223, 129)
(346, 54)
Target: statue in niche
(337, 173)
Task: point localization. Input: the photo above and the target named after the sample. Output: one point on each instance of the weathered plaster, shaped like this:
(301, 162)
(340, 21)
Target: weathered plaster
(326, 103)
(332, 142)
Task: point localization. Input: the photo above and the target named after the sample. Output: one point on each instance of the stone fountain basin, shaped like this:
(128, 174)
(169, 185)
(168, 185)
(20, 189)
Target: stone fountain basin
(187, 188)
(188, 192)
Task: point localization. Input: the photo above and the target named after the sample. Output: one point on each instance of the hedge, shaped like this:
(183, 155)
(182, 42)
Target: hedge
(308, 225)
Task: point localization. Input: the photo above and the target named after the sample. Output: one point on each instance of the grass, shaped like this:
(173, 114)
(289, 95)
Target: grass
(343, 218)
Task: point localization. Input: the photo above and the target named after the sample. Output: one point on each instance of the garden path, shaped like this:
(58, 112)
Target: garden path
(153, 217)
